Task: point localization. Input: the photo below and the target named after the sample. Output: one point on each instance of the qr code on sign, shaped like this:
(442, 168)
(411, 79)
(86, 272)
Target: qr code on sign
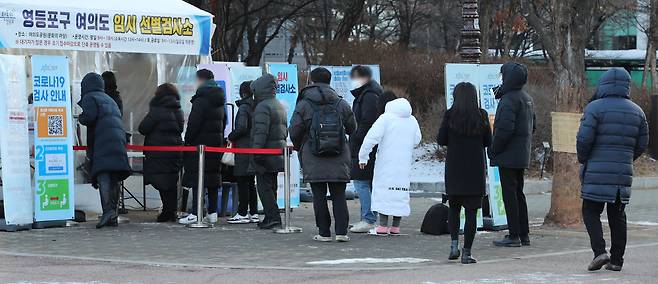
(55, 125)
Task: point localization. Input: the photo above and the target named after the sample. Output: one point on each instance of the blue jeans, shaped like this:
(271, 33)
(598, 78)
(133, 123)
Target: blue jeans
(364, 190)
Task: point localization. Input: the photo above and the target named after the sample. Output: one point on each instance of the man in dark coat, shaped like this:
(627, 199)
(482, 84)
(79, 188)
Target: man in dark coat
(613, 133)
(269, 131)
(240, 137)
(205, 126)
(366, 109)
(163, 126)
(332, 172)
(106, 140)
(510, 149)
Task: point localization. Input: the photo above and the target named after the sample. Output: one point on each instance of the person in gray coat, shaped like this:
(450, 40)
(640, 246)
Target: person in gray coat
(240, 137)
(106, 140)
(269, 130)
(322, 172)
(510, 149)
(613, 133)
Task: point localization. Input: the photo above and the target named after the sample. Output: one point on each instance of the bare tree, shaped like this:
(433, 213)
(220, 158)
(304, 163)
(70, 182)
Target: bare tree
(564, 28)
(647, 20)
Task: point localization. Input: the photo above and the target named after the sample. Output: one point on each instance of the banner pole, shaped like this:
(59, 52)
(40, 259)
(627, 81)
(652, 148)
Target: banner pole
(287, 229)
(201, 149)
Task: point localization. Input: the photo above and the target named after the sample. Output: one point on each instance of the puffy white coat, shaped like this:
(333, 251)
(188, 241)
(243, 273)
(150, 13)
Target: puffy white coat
(397, 133)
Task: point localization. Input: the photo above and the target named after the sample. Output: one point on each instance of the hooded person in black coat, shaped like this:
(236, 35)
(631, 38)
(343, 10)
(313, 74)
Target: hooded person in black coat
(366, 109)
(111, 89)
(613, 133)
(163, 126)
(205, 126)
(106, 140)
(240, 137)
(269, 131)
(510, 148)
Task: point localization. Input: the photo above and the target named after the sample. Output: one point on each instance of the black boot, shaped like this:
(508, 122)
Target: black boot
(454, 250)
(467, 258)
(598, 262)
(108, 201)
(508, 241)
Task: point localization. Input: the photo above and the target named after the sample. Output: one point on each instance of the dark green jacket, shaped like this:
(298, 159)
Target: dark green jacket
(269, 128)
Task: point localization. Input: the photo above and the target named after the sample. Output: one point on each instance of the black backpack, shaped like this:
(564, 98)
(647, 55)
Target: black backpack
(436, 220)
(326, 132)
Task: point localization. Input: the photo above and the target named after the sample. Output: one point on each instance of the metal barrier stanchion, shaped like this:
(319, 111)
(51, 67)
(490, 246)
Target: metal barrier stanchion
(200, 191)
(287, 229)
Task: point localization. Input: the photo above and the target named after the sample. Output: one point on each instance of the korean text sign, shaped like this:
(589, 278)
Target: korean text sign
(65, 28)
(53, 142)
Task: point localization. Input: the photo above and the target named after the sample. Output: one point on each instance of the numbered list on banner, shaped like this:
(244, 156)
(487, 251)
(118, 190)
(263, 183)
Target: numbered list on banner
(53, 140)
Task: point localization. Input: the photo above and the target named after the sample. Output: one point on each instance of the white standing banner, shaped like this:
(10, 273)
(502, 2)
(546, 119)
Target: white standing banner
(54, 179)
(484, 77)
(14, 141)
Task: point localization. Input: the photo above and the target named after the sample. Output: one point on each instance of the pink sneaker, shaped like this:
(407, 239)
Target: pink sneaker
(394, 231)
(381, 230)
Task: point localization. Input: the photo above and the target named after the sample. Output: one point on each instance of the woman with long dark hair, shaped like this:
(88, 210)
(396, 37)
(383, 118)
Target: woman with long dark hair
(466, 132)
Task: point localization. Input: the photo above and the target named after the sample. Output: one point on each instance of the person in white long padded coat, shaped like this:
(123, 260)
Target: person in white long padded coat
(397, 133)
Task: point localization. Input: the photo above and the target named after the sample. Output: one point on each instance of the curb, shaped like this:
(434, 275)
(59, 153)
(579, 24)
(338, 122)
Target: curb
(425, 189)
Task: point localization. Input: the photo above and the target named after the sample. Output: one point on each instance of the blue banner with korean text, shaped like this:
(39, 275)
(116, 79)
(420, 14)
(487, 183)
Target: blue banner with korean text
(53, 139)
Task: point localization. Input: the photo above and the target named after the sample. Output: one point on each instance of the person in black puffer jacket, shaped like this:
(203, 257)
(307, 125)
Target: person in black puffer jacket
(106, 140)
(366, 109)
(205, 126)
(240, 137)
(269, 131)
(613, 133)
(510, 149)
(163, 126)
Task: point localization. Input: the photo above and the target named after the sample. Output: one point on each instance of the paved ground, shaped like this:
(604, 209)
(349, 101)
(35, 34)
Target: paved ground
(145, 252)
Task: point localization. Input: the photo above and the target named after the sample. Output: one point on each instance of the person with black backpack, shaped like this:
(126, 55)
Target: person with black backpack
(318, 131)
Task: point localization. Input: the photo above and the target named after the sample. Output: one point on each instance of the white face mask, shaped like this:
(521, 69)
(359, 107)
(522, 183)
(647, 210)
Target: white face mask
(358, 83)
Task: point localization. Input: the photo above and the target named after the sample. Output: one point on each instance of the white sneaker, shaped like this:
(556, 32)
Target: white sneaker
(342, 238)
(189, 219)
(362, 227)
(254, 218)
(239, 219)
(211, 218)
(319, 238)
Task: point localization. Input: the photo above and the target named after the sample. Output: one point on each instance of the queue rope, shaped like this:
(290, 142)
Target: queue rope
(255, 151)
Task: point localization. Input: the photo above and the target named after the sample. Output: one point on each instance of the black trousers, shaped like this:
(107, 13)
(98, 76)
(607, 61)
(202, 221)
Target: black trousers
(515, 203)
(470, 224)
(212, 200)
(267, 186)
(169, 198)
(109, 189)
(338, 202)
(616, 219)
(247, 196)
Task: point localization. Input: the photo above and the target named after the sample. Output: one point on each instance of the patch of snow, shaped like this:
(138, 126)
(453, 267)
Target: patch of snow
(369, 260)
(638, 223)
(427, 168)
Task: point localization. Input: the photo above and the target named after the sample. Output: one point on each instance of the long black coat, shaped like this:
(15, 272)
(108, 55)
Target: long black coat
(366, 110)
(106, 137)
(163, 126)
(241, 135)
(270, 128)
(314, 168)
(613, 133)
(515, 120)
(205, 126)
(465, 162)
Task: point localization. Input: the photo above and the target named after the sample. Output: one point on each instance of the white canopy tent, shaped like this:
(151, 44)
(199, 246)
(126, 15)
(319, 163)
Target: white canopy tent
(145, 42)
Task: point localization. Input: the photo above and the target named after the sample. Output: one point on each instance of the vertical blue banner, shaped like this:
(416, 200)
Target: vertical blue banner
(53, 139)
(287, 85)
(286, 92)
